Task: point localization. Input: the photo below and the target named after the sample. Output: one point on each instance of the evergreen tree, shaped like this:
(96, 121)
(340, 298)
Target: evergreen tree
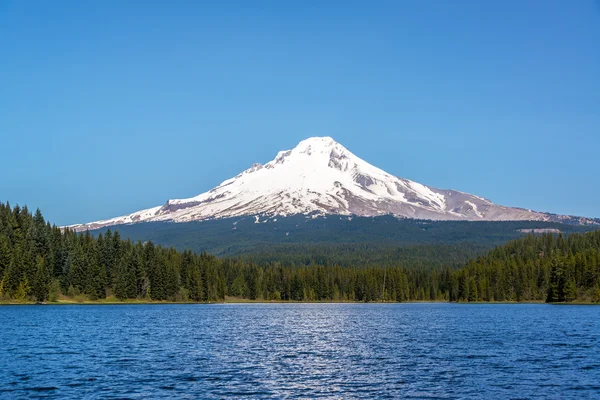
(5, 254)
(556, 291)
(40, 285)
(23, 289)
(570, 290)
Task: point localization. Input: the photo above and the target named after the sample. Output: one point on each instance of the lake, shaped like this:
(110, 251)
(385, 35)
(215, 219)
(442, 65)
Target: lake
(448, 351)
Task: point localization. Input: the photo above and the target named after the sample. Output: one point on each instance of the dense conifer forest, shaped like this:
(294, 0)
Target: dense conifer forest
(40, 262)
(383, 241)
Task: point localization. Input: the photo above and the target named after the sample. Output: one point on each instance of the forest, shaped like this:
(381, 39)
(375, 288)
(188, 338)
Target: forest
(41, 262)
(382, 241)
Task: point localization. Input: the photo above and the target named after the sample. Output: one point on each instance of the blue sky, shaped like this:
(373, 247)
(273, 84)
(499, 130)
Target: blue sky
(110, 107)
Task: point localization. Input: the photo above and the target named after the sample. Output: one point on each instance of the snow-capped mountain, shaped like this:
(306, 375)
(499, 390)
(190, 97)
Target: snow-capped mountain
(320, 176)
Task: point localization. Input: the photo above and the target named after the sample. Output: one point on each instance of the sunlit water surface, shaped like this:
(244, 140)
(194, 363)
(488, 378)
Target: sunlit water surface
(300, 351)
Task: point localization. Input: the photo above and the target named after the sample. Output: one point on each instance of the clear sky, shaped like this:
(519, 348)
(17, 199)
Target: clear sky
(109, 107)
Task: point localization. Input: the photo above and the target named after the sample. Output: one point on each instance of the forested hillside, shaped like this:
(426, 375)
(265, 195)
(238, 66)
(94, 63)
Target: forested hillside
(341, 240)
(40, 262)
(554, 268)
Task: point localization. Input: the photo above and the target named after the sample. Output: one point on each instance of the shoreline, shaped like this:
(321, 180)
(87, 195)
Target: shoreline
(67, 302)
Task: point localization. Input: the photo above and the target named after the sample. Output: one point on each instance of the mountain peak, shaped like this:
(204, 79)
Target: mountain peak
(317, 141)
(321, 176)
(318, 145)
(314, 152)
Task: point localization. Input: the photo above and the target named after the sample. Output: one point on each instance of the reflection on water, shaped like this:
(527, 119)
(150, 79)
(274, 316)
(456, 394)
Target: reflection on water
(300, 350)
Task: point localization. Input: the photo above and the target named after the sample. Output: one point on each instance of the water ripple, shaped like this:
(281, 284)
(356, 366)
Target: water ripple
(442, 351)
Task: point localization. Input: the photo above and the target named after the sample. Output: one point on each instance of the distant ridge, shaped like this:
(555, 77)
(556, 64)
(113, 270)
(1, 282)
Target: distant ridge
(320, 176)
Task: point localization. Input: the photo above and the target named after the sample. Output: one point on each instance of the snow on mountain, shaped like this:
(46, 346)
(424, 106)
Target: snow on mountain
(320, 176)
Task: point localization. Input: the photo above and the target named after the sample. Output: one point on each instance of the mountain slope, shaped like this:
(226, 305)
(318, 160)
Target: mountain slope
(321, 176)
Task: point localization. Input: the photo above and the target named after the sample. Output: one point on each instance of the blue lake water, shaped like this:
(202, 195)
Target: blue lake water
(447, 351)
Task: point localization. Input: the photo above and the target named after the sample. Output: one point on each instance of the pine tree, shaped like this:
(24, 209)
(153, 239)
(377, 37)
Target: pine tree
(5, 255)
(54, 290)
(570, 290)
(125, 276)
(239, 288)
(39, 235)
(96, 281)
(473, 292)
(41, 281)
(23, 289)
(76, 274)
(556, 290)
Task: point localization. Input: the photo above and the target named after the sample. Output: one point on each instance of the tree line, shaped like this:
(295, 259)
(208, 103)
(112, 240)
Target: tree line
(41, 262)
